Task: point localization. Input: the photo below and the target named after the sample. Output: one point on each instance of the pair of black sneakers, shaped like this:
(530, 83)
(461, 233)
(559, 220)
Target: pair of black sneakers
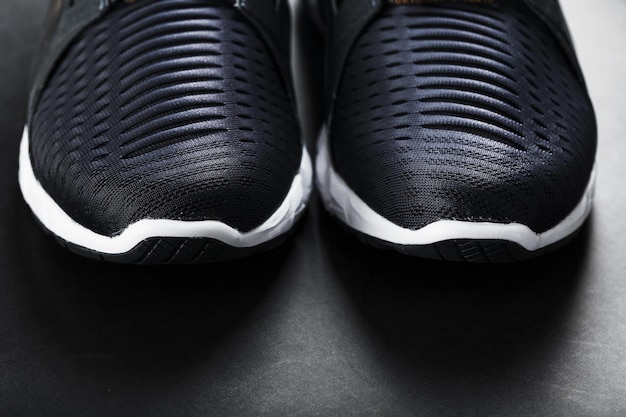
(166, 131)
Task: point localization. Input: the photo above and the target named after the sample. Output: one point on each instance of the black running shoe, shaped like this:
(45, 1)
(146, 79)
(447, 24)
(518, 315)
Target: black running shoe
(456, 130)
(165, 131)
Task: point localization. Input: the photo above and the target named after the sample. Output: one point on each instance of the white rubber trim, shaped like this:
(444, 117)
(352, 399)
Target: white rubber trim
(340, 200)
(62, 225)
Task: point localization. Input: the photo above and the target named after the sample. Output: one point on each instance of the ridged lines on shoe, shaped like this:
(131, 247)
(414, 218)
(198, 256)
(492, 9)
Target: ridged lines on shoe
(450, 103)
(144, 96)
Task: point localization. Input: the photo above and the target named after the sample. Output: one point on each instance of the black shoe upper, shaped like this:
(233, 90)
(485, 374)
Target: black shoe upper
(463, 111)
(174, 109)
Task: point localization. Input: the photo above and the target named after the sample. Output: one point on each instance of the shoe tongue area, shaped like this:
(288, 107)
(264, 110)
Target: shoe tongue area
(549, 11)
(353, 16)
(68, 18)
(431, 2)
(104, 4)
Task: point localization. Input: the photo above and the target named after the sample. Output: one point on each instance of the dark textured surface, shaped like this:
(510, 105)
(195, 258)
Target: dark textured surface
(186, 101)
(464, 112)
(324, 326)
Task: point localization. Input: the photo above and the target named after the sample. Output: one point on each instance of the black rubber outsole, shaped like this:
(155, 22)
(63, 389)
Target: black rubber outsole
(461, 250)
(176, 250)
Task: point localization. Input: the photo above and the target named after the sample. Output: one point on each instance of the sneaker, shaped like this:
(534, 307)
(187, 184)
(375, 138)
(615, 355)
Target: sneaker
(456, 130)
(165, 131)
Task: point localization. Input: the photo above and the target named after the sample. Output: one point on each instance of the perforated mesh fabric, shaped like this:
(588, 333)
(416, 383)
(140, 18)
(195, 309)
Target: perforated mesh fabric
(166, 109)
(463, 112)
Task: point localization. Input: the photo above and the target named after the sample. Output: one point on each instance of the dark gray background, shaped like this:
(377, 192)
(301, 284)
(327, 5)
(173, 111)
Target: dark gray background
(322, 326)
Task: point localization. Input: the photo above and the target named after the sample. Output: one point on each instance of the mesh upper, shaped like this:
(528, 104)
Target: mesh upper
(463, 112)
(166, 109)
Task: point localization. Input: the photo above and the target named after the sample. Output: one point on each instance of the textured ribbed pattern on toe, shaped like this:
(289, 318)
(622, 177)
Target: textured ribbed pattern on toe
(463, 112)
(168, 109)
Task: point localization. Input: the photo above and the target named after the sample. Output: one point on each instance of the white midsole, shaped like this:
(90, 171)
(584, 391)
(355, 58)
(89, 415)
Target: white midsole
(62, 225)
(341, 201)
